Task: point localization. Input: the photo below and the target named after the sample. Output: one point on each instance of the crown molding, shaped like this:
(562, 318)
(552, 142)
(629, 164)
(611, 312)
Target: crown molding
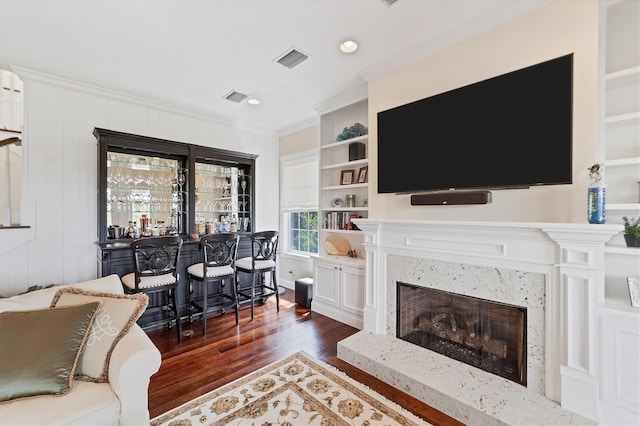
(360, 93)
(26, 74)
(313, 121)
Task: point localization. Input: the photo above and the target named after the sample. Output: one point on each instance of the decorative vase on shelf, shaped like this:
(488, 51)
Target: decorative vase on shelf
(596, 196)
(631, 231)
(632, 240)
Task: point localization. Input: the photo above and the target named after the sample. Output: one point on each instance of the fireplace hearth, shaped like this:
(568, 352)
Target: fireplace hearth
(485, 334)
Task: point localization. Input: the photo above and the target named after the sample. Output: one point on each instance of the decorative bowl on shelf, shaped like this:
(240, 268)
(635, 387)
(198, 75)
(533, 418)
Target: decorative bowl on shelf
(352, 132)
(336, 245)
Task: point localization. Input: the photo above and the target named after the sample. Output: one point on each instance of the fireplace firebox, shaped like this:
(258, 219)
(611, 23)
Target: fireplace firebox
(486, 334)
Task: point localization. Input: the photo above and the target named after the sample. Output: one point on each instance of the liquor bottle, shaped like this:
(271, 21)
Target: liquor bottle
(135, 233)
(144, 224)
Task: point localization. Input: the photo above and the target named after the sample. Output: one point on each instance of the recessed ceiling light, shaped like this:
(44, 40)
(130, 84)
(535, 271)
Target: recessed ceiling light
(254, 101)
(348, 46)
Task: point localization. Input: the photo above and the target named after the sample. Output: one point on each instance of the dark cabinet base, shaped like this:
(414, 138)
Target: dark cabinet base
(116, 258)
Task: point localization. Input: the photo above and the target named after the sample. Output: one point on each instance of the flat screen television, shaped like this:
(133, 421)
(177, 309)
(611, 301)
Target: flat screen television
(509, 131)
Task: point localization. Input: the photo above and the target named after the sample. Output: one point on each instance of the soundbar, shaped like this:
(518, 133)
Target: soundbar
(451, 198)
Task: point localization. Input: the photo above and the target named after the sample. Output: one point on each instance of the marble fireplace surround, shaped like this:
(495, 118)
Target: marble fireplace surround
(555, 270)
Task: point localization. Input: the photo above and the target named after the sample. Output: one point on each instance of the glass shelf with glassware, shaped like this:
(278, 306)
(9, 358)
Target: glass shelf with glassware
(144, 195)
(222, 199)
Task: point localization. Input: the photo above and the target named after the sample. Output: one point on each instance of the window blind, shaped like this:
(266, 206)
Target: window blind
(299, 182)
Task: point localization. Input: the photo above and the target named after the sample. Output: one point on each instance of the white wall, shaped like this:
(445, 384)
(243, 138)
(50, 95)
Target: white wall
(554, 30)
(60, 174)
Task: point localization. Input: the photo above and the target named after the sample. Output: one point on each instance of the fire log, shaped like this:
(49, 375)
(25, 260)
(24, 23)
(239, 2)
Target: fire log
(472, 325)
(496, 347)
(439, 327)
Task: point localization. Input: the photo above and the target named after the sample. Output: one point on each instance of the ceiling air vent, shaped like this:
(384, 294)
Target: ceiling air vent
(236, 97)
(291, 58)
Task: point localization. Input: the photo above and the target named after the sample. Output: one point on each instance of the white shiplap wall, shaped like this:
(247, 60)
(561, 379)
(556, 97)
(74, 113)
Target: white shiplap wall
(60, 174)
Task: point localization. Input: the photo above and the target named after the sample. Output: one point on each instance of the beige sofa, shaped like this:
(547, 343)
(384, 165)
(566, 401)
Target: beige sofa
(123, 400)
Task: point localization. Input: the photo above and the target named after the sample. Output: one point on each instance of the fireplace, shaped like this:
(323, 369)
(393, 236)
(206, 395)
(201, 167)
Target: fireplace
(502, 285)
(486, 334)
(553, 270)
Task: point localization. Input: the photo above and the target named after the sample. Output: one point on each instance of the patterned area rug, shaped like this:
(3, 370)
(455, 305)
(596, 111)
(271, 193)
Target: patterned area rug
(298, 390)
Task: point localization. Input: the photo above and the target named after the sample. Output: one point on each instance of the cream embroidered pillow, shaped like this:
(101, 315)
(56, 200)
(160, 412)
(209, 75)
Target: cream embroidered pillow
(114, 318)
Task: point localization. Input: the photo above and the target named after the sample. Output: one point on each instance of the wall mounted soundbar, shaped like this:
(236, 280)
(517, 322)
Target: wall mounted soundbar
(451, 198)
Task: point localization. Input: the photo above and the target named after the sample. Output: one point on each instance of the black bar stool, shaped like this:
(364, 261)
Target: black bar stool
(155, 261)
(218, 252)
(264, 247)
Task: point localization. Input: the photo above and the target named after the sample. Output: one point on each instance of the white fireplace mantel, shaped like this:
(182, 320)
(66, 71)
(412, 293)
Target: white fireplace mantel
(569, 256)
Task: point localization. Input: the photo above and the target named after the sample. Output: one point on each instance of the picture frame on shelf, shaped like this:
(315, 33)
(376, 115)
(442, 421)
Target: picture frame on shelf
(346, 177)
(362, 174)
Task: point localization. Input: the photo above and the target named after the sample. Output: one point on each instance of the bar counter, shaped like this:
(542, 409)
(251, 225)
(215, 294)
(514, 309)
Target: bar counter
(114, 257)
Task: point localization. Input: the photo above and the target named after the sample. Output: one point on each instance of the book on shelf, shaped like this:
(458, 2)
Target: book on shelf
(339, 220)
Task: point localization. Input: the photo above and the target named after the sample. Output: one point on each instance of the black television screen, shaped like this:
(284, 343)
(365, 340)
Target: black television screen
(509, 131)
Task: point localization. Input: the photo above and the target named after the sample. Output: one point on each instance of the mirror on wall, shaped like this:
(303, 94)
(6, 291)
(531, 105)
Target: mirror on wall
(222, 197)
(145, 195)
(11, 153)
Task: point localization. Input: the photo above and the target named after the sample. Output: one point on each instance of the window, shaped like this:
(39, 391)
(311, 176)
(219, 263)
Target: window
(299, 202)
(303, 231)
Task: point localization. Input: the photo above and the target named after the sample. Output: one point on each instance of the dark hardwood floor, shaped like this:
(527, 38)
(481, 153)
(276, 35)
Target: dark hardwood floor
(200, 364)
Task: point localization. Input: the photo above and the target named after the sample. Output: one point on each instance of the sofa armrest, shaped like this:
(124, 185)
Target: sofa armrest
(133, 361)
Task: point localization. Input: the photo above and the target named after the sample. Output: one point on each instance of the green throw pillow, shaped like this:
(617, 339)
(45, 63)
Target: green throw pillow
(40, 349)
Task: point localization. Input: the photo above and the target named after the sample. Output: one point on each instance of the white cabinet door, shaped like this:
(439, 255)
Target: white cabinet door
(338, 290)
(352, 283)
(326, 283)
(620, 375)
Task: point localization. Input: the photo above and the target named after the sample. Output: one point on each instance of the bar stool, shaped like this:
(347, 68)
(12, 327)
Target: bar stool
(155, 261)
(264, 247)
(218, 253)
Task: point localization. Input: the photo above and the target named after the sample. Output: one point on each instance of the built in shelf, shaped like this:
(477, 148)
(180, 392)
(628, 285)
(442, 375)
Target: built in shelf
(618, 302)
(15, 226)
(617, 249)
(623, 206)
(622, 117)
(623, 73)
(341, 231)
(346, 209)
(362, 138)
(353, 185)
(623, 162)
(346, 164)
(355, 261)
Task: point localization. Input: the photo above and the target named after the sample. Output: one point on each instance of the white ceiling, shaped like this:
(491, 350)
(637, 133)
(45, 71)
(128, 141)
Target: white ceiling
(189, 54)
